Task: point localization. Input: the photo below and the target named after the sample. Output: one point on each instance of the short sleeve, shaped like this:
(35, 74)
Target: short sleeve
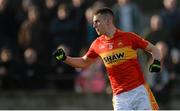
(91, 52)
(138, 42)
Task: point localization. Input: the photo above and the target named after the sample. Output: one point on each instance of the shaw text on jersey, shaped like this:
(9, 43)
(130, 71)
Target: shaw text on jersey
(113, 58)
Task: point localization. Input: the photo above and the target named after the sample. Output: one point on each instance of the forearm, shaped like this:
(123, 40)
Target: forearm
(155, 52)
(77, 62)
(156, 55)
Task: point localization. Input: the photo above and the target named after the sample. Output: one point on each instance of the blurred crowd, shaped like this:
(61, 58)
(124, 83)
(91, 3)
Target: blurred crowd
(30, 30)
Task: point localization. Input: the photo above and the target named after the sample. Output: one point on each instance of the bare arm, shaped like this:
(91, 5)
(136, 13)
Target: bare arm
(156, 54)
(79, 62)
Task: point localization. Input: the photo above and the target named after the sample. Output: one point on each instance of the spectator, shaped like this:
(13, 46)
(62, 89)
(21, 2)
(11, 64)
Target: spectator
(128, 16)
(21, 14)
(98, 4)
(32, 35)
(156, 32)
(34, 73)
(78, 9)
(8, 29)
(8, 67)
(62, 27)
(50, 10)
(175, 59)
(91, 33)
(170, 17)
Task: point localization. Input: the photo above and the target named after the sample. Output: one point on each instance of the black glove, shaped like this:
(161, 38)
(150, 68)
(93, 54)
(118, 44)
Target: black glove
(155, 66)
(59, 55)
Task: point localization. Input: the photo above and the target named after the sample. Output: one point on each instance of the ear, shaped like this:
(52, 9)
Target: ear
(107, 21)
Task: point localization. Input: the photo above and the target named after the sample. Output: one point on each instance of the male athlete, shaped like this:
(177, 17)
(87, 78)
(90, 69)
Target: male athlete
(117, 49)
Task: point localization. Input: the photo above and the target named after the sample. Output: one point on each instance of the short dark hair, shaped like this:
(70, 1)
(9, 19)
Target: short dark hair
(104, 10)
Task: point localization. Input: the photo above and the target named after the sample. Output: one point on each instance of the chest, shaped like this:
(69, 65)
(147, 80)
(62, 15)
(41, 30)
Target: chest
(115, 51)
(118, 43)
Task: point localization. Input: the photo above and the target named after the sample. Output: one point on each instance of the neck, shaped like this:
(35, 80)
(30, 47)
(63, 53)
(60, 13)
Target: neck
(110, 32)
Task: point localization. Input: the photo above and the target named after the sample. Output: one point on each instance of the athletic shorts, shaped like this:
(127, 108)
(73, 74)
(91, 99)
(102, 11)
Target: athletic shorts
(139, 98)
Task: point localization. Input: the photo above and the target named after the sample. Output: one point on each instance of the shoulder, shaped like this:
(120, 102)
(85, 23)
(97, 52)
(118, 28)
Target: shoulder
(120, 33)
(128, 34)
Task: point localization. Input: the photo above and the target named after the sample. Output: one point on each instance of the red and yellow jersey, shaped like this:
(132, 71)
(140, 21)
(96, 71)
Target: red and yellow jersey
(120, 58)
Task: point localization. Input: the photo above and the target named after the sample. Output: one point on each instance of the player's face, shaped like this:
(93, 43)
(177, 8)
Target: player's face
(99, 24)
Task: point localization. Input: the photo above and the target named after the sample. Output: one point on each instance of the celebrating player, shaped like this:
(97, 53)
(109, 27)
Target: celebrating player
(117, 49)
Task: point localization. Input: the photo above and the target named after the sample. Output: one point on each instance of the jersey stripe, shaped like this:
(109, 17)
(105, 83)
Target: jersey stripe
(118, 56)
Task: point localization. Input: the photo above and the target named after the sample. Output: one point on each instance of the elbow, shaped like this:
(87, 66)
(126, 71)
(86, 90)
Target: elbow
(84, 66)
(156, 53)
(85, 63)
(159, 53)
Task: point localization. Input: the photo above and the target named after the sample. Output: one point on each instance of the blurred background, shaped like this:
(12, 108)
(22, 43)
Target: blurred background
(30, 30)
